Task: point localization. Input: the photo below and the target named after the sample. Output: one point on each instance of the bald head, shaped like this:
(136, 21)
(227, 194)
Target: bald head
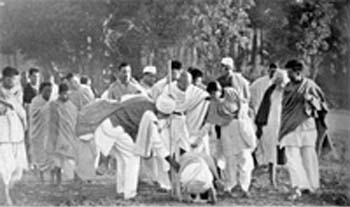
(184, 81)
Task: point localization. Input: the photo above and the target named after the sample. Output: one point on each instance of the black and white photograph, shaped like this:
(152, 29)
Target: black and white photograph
(174, 102)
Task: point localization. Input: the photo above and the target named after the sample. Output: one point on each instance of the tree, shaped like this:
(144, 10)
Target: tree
(57, 34)
(221, 28)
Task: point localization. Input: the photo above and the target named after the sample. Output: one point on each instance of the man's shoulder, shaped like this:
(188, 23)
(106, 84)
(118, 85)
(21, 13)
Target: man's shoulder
(261, 80)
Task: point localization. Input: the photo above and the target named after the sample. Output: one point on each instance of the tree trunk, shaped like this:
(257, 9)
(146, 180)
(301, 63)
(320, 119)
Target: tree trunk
(254, 51)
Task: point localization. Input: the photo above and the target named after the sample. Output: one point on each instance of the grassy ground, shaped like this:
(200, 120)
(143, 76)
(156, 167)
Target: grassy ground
(335, 184)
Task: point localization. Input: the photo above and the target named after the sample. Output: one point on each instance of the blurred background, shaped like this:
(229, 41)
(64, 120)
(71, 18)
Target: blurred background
(91, 37)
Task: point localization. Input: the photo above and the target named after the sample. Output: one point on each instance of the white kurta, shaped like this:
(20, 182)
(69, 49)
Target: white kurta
(269, 139)
(257, 91)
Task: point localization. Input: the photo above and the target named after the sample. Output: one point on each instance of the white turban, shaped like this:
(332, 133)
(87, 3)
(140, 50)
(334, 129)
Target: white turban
(227, 61)
(165, 104)
(281, 77)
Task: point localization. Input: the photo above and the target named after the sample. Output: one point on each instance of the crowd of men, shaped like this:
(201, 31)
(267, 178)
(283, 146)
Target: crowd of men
(210, 136)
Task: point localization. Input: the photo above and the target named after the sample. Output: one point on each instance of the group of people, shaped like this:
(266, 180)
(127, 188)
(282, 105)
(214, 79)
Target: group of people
(174, 131)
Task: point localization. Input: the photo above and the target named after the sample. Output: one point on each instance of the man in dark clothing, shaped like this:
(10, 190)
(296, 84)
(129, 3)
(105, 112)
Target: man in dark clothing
(29, 92)
(31, 89)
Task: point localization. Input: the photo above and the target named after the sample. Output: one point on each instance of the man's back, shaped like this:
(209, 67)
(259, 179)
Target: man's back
(130, 113)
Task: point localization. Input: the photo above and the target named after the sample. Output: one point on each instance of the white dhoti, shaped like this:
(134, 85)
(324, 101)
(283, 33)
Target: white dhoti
(302, 161)
(13, 157)
(13, 160)
(115, 141)
(239, 170)
(238, 144)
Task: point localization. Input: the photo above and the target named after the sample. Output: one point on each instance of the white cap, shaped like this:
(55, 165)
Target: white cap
(227, 61)
(165, 104)
(150, 69)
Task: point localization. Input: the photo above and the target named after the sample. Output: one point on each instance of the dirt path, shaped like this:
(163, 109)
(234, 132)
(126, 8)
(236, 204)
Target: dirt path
(335, 184)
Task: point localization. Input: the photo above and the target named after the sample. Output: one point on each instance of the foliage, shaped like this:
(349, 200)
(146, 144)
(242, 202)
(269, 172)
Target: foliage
(218, 26)
(52, 32)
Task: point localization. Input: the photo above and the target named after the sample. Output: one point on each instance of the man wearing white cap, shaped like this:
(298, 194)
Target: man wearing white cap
(131, 132)
(149, 77)
(231, 78)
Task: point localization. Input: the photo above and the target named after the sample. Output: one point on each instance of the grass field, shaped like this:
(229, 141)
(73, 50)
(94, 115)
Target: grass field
(335, 183)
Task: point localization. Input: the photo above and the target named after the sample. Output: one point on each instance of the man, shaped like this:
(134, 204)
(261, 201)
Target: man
(32, 88)
(231, 78)
(197, 77)
(176, 70)
(197, 176)
(132, 132)
(189, 114)
(29, 92)
(268, 120)
(39, 127)
(259, 86)
(62, 142)
(81, 96)
(149, 78)
(303, 103)
(237, 137)
(85, 82)
(78, 95)
(13, 158)
(124, 84)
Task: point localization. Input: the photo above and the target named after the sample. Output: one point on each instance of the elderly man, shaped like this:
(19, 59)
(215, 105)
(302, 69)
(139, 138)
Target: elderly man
(302, 103)
(39, 127)
(189, 113)
(125, 83)
(268, 120)
(13, 158)
(259, 86)
(131, 132)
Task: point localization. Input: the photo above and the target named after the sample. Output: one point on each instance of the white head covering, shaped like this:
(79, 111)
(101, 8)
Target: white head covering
(281, 76)
(165, 104)
(227, 61)
(150, 69)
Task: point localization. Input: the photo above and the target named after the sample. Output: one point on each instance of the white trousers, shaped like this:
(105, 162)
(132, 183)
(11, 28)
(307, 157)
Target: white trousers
(303, 167)
(128, 163)
(239, 169)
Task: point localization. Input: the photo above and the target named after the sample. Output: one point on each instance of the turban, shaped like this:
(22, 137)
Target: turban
(165, 104)
(281, 76)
